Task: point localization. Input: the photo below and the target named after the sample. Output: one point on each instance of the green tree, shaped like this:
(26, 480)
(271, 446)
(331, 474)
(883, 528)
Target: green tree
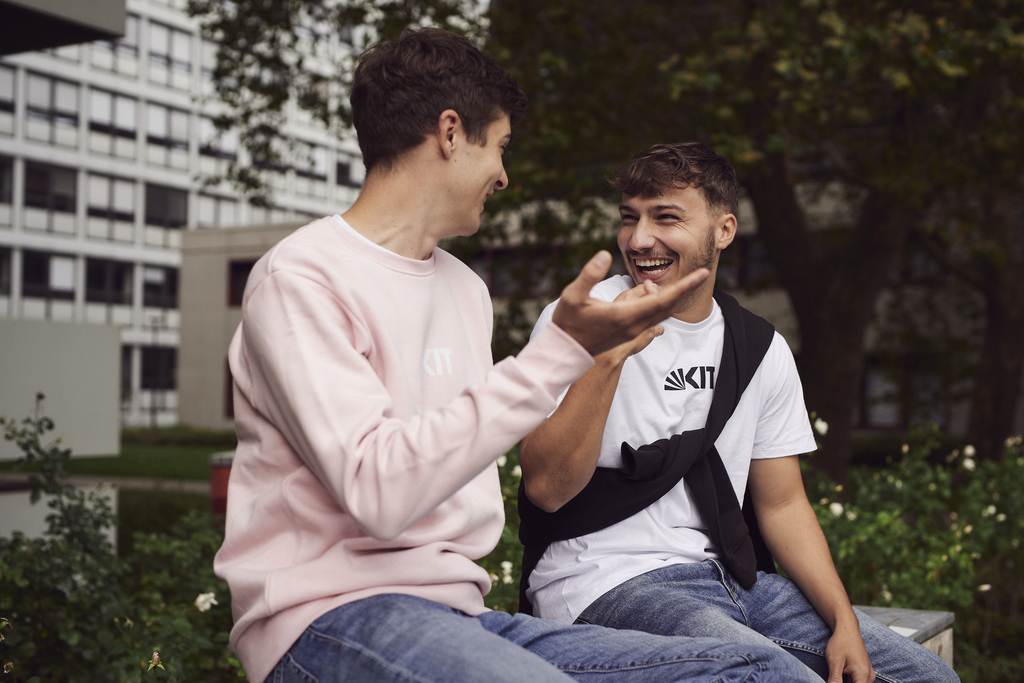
(856, 102)
(850, 124)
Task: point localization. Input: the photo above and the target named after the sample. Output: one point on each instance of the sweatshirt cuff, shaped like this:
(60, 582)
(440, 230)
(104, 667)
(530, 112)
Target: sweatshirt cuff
(555, 359)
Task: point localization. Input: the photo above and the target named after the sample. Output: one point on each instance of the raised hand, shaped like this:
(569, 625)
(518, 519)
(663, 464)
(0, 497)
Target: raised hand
(601, 325)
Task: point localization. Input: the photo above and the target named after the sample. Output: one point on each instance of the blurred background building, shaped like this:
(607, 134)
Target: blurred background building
(104, 149)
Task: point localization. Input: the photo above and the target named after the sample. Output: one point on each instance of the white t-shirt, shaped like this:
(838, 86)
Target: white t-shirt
(664, 390)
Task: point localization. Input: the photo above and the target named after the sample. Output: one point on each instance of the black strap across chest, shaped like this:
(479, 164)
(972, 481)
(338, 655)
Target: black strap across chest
(651, 471)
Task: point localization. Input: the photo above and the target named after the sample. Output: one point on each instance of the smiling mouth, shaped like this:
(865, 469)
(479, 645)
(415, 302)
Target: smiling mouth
(652, 266)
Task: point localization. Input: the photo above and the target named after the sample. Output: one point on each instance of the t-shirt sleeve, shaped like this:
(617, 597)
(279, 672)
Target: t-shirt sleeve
(783, 427)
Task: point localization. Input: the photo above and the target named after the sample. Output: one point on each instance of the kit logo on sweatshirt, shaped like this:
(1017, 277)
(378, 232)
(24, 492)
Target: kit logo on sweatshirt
(432, 362)
(698, 377)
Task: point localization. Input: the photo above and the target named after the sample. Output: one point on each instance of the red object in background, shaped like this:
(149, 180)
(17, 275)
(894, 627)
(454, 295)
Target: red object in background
(220, 471)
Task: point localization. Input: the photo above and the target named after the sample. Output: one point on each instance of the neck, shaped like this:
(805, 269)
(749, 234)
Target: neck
(698, 304)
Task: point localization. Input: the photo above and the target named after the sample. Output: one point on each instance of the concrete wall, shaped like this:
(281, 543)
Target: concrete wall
(207, 321)
(77, 367)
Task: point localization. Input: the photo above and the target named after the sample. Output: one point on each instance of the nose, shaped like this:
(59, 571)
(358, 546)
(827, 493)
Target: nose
(642, 236)
(502, 182)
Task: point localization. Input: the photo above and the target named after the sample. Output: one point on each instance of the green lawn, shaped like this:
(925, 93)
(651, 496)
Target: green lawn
(147, 460)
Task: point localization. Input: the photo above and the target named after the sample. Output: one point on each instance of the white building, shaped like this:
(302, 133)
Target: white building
(103, 147)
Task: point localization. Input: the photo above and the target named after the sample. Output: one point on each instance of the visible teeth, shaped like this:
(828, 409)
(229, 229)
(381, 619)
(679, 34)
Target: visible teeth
(652, 263)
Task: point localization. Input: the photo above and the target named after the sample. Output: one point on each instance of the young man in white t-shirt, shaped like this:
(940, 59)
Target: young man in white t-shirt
(658, 570)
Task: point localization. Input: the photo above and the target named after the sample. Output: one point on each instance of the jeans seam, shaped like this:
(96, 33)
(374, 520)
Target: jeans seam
(638, 666)
(723, 578)
(369, 654)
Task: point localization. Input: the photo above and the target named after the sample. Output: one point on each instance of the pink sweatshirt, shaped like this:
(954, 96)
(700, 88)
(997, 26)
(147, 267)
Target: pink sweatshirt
(369, 418)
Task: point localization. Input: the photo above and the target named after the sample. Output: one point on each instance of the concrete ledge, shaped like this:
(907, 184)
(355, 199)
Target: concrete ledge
(929, 628)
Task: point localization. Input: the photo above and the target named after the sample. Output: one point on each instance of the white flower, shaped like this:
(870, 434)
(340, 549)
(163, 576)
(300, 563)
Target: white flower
(851, 516)
(985, 587)
(517, 471)
(836, 508)
(990, 510)
(968, 464)
(906, 448)
(969, 451)
(821, 426)
(205, 601)
(1001, 517)
(502, 460)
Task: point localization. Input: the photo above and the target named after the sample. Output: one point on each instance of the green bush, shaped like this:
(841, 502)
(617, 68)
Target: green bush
(73, 611)
(940, 531)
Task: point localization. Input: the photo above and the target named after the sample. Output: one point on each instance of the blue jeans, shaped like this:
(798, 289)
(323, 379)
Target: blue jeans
(702, 600)
(402, 638)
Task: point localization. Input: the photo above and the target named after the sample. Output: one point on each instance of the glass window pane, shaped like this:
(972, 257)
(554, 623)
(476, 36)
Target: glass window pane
(207, 211)
(62, 273)
(124, 196)
(99, 191)
(156, 117)
(67, 97)
(100, 106)
(124, 113)
(131, 31)
(179, 125)
(159, 37)
(6, 84)
(38, 91)
(154, 276)
(180, 46)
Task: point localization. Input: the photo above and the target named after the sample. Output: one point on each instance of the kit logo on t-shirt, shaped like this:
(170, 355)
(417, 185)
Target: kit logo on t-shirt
(432, 362)
(697, 377)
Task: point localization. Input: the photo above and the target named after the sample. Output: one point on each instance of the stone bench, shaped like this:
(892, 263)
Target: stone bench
(931, 629)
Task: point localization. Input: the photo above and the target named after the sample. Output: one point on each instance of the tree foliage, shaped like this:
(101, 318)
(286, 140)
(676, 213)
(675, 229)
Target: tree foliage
(272, 52)
(851, 125)
(861, 105)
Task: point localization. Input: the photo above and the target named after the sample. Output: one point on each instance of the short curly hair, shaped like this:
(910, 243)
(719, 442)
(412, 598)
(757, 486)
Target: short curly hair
(661, 168)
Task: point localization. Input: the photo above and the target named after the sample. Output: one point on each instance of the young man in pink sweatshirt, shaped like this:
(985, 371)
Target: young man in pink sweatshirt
(369, 415)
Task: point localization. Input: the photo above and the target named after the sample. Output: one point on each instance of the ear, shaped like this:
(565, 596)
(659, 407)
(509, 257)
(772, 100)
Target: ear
(725, 230)
(449, 131)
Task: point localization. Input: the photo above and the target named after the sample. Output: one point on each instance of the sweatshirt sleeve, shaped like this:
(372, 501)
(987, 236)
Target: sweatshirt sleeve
(308, 375)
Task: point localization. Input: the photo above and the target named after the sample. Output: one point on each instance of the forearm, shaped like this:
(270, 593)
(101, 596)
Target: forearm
(559, 457)
(795, 539)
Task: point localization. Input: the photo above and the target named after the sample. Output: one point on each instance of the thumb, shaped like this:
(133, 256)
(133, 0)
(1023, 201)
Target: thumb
(592, 273)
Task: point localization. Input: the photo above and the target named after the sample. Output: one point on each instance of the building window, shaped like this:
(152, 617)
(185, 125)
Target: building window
(52, 110)
(215, 143)
(343, 174)
(217, 212)
(166, 136)
(6, 100)
(112, 124)
(51, 188)
(111, 211)
(272, 215)
(229, 391)
(169, 60)
(6, 180)
(126, 373)
(238, 275)
(159, 367)
(47, 276)
(121, 55)
(166, 206)
(5, 272)
(160, 287)
(108, 282)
